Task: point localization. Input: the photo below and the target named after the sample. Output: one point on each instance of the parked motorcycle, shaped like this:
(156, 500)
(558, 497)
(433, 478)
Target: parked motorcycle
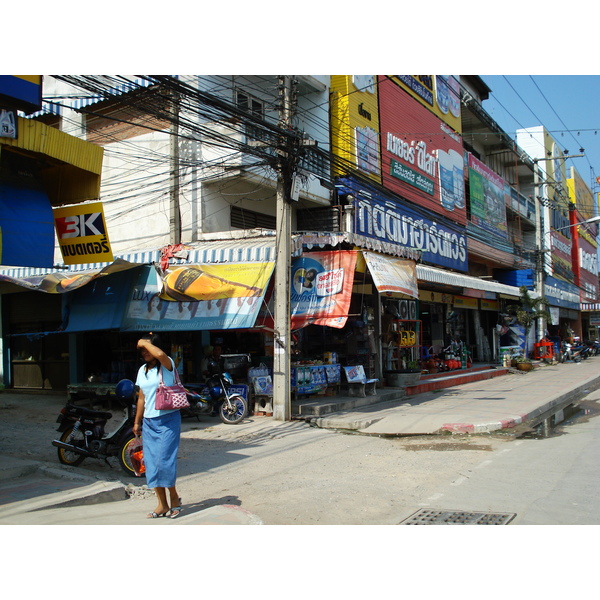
(594, 346)
(582, 348)
(84, 432)
(569, 353)
(216, 397)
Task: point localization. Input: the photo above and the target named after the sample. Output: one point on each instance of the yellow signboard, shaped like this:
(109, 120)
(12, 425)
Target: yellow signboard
(82, 235)
(355, 123)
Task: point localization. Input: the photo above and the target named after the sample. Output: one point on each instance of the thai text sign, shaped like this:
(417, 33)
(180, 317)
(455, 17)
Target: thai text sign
(82, 235)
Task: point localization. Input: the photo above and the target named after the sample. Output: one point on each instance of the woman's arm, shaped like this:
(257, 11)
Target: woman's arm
(139, 414)
(162, 357)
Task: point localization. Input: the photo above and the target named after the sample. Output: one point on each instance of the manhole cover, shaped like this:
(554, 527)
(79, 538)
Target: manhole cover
(427, 516)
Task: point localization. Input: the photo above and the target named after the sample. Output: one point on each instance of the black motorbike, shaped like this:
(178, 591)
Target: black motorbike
(216, 397)
(84, 432)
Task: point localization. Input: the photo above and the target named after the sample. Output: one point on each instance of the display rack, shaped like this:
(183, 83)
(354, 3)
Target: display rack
(403, 351)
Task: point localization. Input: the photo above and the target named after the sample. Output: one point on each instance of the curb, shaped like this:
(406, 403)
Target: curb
(94, 493)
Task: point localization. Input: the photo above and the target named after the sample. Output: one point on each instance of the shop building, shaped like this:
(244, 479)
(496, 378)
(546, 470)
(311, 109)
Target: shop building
(416, 209)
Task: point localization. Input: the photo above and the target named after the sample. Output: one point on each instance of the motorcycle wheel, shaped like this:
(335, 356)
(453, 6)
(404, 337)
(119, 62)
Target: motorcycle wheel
(67, 457)
(125, 457)
(235, 412)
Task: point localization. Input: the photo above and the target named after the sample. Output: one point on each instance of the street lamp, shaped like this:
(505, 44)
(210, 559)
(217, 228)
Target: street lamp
(591, 220)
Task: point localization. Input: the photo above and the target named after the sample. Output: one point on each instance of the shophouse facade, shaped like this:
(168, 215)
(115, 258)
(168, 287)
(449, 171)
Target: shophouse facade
(405, 185)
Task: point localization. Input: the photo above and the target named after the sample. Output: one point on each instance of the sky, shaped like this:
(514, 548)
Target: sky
(566, 105)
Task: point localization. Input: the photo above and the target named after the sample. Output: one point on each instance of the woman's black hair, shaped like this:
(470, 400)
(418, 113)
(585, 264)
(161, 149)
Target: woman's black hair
(155, 340)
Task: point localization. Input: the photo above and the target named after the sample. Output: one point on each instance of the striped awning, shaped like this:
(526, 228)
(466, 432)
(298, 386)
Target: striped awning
(433, 275)
(231, 250)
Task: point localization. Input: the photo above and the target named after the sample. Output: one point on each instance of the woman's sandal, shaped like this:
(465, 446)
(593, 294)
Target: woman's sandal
(155, 515)
(173, 513)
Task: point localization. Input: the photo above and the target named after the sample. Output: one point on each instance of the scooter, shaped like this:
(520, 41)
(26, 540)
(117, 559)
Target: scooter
(583, 349)
(216, 396)
(569, 353)
(84, 432)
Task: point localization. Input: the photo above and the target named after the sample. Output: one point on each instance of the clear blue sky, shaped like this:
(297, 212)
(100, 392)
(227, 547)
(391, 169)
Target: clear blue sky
(566, 105)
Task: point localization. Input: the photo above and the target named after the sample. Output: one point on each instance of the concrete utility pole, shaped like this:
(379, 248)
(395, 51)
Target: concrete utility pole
(282, 404)
(174, 212)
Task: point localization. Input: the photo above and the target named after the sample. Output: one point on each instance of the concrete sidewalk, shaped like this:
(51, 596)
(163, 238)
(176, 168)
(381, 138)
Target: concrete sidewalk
(481, 406)
(33, 493)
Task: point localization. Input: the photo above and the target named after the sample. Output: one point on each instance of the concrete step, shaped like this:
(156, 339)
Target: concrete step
(313, 406)
(440, 381)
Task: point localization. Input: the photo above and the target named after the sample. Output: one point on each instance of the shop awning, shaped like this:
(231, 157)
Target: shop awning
(57, 282)
(320, 239)
(433, 275)
(234, 249)
(73, 166)
(392, 275)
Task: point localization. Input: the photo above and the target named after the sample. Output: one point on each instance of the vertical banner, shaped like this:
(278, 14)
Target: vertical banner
(81, 233)
(488, 202)
(322, 288)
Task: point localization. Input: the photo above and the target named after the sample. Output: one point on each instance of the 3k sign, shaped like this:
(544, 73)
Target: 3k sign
(81, 232)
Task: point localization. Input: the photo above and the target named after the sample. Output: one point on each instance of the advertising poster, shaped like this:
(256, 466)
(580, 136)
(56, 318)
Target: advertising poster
(588, 263)
(488, 203)
(393, 274)
(439, 93)
(322, 288)
(200, 297)
(82, 235)
(355, 122)
(421, 155)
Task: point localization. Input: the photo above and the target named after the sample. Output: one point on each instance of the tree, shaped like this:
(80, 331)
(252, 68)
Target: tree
(528, 311)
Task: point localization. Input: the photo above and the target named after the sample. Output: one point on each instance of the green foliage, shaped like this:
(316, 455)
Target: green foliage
(528, 311)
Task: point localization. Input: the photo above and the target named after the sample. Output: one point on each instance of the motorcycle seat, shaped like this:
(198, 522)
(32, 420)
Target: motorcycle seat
(88, 412)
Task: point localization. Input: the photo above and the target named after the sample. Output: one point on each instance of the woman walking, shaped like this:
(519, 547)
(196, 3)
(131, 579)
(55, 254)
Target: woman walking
(161, 428)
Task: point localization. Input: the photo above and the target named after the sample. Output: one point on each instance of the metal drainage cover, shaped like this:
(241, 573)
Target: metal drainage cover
(426, 516)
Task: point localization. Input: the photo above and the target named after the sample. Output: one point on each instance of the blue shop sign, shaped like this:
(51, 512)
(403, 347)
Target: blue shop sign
(381, 217)
(560, 293)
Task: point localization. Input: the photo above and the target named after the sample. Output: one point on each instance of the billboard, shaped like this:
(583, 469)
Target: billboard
(355, 123)
(230, 298)
(22, 92)
(421, 156)
(439, 93)
(488, 197)
(82, 234)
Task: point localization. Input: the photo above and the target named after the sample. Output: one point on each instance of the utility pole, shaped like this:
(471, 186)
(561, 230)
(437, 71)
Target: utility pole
(282, 404)
(174, 212)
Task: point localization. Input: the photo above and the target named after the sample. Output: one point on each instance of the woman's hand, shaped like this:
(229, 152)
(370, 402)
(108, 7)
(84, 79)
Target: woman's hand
(137, 429)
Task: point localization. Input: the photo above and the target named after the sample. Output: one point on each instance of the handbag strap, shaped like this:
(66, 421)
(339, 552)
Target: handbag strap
(177, 380)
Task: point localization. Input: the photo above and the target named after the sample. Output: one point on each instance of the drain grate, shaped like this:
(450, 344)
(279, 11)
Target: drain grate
(427, 516)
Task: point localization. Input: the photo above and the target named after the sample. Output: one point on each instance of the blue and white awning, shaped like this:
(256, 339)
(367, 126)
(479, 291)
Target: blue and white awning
(231, 250)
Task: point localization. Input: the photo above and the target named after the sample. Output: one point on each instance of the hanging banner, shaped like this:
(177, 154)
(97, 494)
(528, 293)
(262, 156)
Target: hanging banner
(81, 233)
(322, 288)
(392, 274)
(209, 296)
(61, 282)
